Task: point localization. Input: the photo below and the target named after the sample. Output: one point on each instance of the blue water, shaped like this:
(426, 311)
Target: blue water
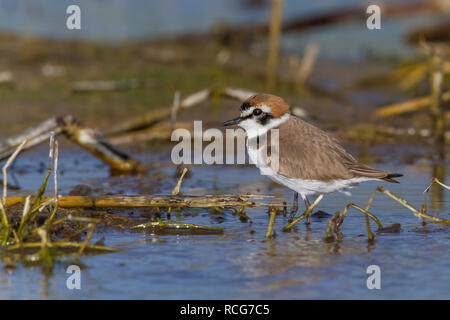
(241, 263)
(118, 21)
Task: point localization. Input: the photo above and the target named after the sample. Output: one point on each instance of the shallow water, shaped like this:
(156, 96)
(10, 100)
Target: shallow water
(122, 21)
(241, 263)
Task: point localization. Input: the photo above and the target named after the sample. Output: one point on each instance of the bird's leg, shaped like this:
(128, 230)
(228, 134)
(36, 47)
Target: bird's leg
(307, 204)
(294, 208)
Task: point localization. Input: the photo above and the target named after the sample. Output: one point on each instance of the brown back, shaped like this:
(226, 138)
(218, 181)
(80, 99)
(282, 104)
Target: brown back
(307, 152)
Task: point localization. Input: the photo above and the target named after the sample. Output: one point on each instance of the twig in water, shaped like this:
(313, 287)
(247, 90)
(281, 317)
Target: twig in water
(333, 221)
(369, 232)
(164, 201)
(347, 207)
(88, 238)
(436, 180)
(178, 228)
(4, 217)
(38, 205)
(242, 215)
(55, 170)
(304, 214)
(44, 253)
(176, 190)
(55, 178)
(25, 213)
(367, 214)
(406, 204)
(47, 174)
(273, 213)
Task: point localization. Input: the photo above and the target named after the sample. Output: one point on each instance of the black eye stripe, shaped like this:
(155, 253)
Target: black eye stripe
(265, 118)
(245, 106)
(246, 117)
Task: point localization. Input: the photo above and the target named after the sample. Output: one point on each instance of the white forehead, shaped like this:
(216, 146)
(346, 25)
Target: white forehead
(249, 111)
(254, 128)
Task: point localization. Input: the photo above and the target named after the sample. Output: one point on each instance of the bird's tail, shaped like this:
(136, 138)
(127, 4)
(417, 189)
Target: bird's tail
(389, 177)
(361, 170)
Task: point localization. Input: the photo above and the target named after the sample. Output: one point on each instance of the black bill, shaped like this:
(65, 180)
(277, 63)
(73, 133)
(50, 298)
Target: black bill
(233, 121)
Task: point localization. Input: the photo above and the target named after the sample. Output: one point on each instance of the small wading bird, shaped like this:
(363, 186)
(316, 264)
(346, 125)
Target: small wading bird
(310, 161)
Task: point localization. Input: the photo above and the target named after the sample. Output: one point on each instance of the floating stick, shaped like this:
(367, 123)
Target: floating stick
(272, 213)
(119, 201)
(307, 211)
(406, 204)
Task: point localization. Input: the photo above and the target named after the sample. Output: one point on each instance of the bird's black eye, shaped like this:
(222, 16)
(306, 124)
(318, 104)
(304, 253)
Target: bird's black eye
(257, 112)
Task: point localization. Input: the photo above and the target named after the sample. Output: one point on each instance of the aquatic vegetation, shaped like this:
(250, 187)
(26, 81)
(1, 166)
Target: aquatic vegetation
(160, 227)
(31, 240)
(338, 218)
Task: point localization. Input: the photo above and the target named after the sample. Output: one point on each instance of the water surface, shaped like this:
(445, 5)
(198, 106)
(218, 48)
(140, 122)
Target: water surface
(241, 263)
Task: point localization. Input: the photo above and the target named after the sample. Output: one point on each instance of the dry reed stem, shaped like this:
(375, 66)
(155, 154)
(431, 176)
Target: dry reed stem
(175, 106)
(304, 214)
(436, 180)
(352, 205)
(307, 63)
(406, 204)
(176, 190)
(333, 221)
(44, 252)
(5, 168)
(119, 201)
(339, 220)
(272, 213)
(55, 179)
(242, 215)
(25, 213)
(436, 83)
(178, 226)
(409, 106)
(88, 238)
(43, 186)
(55, 170)
(4, 224)
(369, 232)
(4, 217)
(274, 42)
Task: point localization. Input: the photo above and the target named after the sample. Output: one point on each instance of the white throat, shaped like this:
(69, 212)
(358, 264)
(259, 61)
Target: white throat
(254, 129)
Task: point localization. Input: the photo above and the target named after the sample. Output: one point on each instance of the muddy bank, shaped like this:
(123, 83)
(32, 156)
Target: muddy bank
(337, 95)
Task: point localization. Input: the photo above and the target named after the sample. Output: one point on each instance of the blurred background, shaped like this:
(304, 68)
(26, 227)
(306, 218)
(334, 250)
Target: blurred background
(138, 69)
(328, 63)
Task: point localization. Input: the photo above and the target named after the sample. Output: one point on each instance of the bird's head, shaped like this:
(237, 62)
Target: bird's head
(260, 113)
